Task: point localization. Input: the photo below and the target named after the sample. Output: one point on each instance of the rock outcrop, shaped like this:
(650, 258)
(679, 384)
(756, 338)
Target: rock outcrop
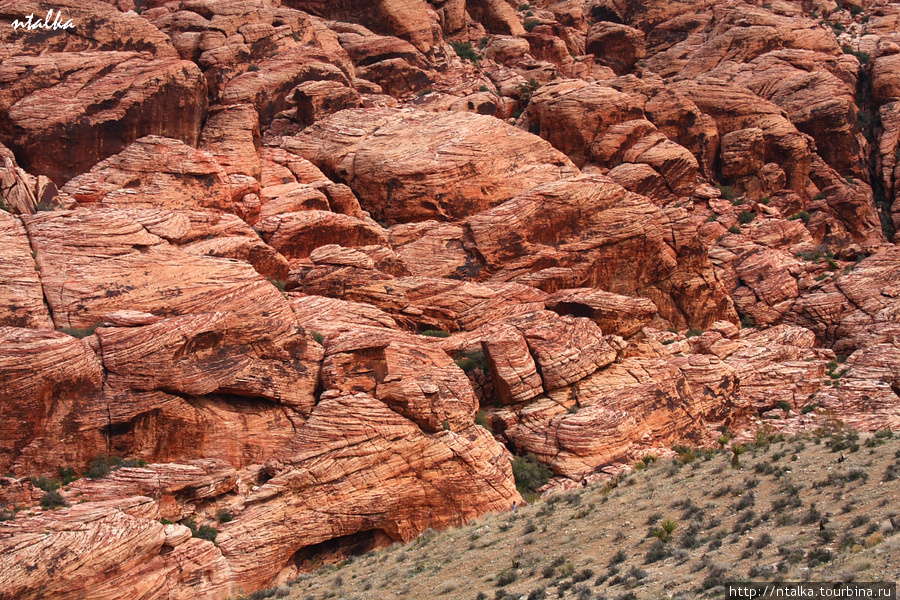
(302, 277)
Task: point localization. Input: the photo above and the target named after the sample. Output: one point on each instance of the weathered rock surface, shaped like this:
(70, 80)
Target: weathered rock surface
(155, 172)
(67, 105)
(52, 382)
(21, 295)
(410, 166)
(554, 202)
(589, 224)
(94, 262)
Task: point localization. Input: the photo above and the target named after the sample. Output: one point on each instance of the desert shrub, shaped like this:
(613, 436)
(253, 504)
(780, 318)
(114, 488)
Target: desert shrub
(104, 465)
(715, 577)
(529, 473)
(204, 532)
(818, 556)
(481, 419)
(224, 515)
(657, 552)
(435, 333)
(278, 283)
(618, 557)
(746, 501)
(582, 575)
(45, 483)
(762, 541)
(802, 215)
(469, 360)
(538, 594)
(52, 500)
(746, 217)
(465, 51)
(530, 24)
(734, 229)
(727, 191)
(826, 535)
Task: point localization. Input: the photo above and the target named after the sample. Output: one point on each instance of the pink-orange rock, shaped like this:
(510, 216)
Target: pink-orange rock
(50, 106)
(171, 486)
(572, 114)
(428, 303)
(503, 48)
(641, 179)
(620, 411)
(51, 381)
(155, 172)
(885, 81)
(214, 353)
(328, 316)
(410, 374)
(410, 166)
(615, 46)
(405, 19)
(350, 442)
(318, 99)
(497, 16)
(735, 108)
(742, 152)
(231, 135)
(269, 87)
(297, 234)
(511, 365)
(96, 261)
(566, 349)
(615, 314)
(250, 249)
(15, 187)
(589, 225)
(21, 295)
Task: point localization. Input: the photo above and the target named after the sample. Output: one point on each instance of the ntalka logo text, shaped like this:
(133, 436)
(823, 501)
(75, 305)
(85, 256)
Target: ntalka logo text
(50, 22)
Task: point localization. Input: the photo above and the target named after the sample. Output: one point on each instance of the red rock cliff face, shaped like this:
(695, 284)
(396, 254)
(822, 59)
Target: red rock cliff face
(283, 256)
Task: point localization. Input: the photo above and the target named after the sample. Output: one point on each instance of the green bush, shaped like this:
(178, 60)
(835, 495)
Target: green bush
(657, 552)
(465, 51)
(800, 215)
(435, 333)
(44, 483)
(469, 360)
(746, 217)
(66, 475)
(481, 419)
(278, 283)
(104, 465)
(204, 532)
(530, 24)
(529, 473)
(224, 515)
(727, 191)
(52, 500)
(664, 532)
(734, 229)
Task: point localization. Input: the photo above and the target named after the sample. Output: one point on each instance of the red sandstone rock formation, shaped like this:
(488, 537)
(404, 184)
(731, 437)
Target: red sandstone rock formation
(290, 258)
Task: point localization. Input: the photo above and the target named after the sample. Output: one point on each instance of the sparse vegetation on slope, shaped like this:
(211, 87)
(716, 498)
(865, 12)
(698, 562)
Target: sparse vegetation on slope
(789, 510)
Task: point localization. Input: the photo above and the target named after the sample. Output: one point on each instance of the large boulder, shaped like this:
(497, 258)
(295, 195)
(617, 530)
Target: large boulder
(412, 166)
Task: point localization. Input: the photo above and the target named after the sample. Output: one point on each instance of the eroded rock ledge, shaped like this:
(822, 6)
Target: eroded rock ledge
(318, 273)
